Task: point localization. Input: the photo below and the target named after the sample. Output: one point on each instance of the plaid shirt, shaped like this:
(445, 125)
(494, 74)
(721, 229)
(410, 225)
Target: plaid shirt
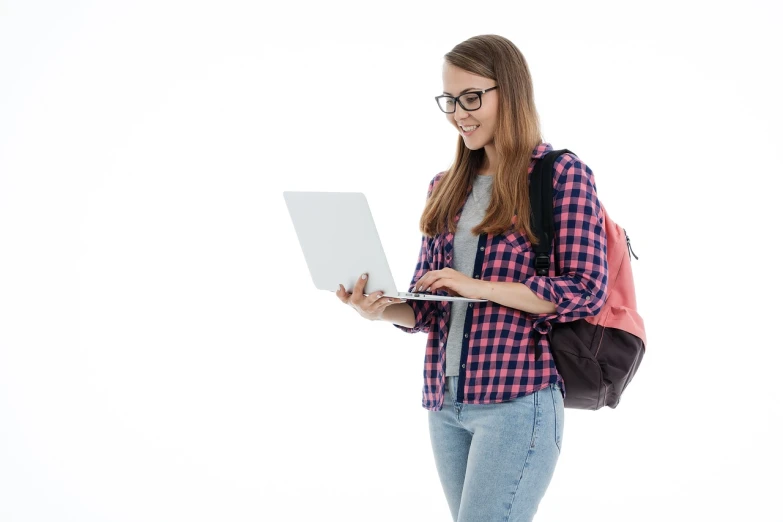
(498, 349)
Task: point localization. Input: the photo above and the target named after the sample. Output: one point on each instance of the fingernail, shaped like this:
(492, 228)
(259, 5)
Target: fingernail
(364, 276)
(403, 300)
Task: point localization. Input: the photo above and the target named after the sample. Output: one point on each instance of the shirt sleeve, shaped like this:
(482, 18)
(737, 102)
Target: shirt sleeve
(580, 243)
(422, 309)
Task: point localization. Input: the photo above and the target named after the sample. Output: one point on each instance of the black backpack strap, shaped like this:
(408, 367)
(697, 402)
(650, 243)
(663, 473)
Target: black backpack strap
(541, 207)
(541, 204)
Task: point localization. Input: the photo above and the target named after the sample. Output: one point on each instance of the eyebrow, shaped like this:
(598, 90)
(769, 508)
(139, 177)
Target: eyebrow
(465, 90)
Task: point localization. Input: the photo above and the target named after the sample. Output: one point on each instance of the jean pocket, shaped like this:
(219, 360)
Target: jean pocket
(559, 414)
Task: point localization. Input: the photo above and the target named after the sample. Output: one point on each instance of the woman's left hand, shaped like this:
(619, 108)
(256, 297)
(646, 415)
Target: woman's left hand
(454, 282)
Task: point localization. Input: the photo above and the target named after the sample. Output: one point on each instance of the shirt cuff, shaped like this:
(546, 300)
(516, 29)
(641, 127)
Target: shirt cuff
(571, 301)
(422, 311)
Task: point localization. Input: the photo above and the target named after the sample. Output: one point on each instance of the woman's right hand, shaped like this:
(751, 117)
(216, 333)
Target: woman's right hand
(370, 307)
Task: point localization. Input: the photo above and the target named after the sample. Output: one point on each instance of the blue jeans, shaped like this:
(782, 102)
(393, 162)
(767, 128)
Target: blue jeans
(495, 461)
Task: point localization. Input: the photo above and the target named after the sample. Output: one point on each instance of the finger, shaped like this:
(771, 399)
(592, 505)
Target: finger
(376, 299)
(383, 302)
(342, 294)
(422, 280)
(360, 284)
(426, 282)
(436, 276)
(446, 289)
(441, 284)
(358, 288)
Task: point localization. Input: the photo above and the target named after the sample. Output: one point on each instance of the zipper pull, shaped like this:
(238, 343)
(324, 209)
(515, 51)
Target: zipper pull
(628, 243)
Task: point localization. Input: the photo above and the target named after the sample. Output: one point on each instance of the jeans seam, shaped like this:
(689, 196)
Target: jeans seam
(529, 451)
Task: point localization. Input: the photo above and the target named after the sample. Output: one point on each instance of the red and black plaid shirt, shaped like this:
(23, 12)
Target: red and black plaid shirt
(498, 347)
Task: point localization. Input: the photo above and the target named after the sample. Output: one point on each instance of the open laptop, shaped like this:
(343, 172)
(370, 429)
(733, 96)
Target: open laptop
(340, 242)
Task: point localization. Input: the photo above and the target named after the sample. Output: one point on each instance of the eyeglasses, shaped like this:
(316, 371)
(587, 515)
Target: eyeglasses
(471, 103)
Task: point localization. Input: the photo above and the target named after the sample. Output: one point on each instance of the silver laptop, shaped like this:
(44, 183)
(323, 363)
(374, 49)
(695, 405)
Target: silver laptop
(340, 242)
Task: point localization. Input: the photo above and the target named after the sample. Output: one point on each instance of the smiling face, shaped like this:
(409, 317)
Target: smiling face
(455, 82)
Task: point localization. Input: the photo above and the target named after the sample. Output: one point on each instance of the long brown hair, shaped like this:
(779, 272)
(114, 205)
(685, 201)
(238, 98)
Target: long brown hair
(518, 132)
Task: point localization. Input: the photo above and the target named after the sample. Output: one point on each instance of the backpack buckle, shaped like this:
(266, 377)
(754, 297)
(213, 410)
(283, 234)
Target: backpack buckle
(542, 264)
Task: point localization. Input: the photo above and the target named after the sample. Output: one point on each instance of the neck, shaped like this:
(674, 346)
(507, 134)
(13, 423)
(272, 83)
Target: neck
(489, 165)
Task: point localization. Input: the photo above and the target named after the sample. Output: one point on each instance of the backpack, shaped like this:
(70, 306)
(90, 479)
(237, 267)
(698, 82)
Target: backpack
(596, 356)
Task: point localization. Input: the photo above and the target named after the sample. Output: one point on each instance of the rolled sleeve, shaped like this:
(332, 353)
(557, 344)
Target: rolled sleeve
(422, 309)
(580, 244)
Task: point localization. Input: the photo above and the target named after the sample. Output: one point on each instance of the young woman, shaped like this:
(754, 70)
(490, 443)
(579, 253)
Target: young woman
(494, 395)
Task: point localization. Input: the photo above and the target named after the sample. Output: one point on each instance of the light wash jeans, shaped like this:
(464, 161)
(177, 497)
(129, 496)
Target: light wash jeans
(495, 461)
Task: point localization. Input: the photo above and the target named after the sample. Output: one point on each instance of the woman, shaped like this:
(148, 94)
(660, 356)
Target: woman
(494, 395)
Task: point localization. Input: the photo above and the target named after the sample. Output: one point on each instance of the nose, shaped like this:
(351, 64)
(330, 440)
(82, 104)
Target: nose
(459, 113)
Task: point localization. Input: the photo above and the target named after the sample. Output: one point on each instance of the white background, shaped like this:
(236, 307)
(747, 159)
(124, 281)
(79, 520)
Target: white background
(164, 355)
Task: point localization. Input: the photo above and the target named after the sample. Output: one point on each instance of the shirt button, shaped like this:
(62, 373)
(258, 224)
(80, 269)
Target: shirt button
(470, 305)
(463, 365)
(466, 336)
(476, 276)
(482, 248)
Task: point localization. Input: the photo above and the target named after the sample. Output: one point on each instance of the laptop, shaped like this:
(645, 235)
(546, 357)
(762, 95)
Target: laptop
(340, 242)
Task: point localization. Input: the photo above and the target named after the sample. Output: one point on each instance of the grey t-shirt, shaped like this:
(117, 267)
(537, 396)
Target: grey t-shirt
(465, 245)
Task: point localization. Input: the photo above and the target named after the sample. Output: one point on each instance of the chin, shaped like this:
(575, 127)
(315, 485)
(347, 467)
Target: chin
(473, 145)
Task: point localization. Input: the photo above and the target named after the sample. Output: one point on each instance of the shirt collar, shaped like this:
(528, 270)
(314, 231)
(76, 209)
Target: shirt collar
(541, 149)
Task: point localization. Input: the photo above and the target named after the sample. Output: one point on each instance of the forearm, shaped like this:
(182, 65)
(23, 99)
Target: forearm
(515, 295)
(401, 314)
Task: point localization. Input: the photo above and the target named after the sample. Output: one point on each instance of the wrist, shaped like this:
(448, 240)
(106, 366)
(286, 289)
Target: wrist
(484, 289)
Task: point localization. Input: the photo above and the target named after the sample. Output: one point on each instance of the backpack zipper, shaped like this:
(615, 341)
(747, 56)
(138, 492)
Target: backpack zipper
(628, 243)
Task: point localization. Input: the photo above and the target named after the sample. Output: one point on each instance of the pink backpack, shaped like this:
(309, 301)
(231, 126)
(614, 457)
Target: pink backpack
(596, 356)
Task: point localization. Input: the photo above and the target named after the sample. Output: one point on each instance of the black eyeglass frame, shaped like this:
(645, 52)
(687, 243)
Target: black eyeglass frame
(457, 99)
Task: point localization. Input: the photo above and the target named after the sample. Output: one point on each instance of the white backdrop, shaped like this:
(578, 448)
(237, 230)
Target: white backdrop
(164, 355)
